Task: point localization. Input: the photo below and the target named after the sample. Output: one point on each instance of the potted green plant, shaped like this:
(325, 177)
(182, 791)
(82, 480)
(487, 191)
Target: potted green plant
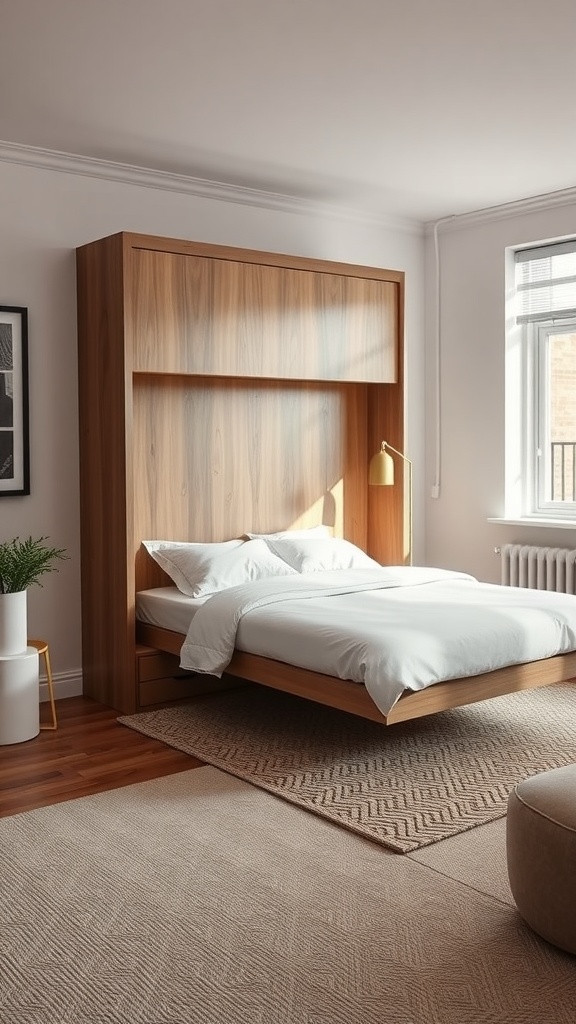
(22, 563)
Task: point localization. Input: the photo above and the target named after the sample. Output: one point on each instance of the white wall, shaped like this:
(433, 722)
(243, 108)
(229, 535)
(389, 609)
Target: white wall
(472, 342)
(44, 215)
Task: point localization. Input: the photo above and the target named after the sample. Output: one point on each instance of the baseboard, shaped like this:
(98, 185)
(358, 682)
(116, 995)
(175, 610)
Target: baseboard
(66, 684)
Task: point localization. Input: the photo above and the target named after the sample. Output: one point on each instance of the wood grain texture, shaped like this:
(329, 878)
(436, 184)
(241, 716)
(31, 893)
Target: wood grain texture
(161, 680)
(88, 753)
(157, 243)
(458, 692)
(240, 426)
(389, 538)
(214, 458)
(204, 316)
(354, 698)
(104, 386)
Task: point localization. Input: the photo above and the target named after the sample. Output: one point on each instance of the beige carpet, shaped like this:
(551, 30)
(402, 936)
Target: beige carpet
(199, 899)
(404, 786)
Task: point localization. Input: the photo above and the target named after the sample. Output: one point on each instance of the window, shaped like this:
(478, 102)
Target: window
(545, 330)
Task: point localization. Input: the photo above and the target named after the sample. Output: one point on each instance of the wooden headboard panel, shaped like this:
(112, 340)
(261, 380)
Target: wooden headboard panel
(223, 390)
(214, 458)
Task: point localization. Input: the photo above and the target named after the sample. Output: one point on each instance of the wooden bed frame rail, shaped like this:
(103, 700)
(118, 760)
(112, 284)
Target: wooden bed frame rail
(354, 698)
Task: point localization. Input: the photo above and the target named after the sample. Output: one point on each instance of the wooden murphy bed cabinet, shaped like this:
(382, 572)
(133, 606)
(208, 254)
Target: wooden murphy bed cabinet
(222, 390)
(159, 678)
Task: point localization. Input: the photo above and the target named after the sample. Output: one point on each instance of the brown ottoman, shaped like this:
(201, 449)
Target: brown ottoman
(541, 852)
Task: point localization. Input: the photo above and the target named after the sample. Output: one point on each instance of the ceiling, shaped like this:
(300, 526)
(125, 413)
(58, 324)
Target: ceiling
(414, 108)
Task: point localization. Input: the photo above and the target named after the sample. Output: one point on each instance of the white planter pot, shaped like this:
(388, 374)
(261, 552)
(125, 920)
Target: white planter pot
(19, 697)
(13, 624)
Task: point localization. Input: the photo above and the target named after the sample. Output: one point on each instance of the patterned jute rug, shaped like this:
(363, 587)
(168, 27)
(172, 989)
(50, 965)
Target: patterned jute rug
(404, 786)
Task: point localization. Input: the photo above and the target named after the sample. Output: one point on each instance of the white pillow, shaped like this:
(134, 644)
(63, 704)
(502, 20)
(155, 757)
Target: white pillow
(199, 570)
(315, 554)
(311, 531)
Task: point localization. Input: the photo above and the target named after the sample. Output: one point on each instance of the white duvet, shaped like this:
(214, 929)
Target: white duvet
(392, 628)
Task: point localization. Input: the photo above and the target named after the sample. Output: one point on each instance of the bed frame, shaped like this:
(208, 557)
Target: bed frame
(354, 698)
(224, 390)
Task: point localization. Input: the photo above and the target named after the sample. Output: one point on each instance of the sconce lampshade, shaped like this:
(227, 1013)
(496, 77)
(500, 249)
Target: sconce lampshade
(381, 471)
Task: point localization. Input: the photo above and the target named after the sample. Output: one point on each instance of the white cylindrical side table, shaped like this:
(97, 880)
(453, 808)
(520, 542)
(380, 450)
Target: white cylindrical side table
(19, 697)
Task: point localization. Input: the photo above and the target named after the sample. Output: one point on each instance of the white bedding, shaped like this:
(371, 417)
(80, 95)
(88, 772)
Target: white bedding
(392, 628)
(167, 607)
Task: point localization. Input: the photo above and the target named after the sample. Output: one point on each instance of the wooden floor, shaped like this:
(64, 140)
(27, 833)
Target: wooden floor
(87, 753)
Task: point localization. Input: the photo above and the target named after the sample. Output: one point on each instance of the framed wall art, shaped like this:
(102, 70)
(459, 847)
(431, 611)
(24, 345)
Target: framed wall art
(14, 424)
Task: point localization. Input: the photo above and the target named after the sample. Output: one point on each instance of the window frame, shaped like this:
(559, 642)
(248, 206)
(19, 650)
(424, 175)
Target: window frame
(535, 341)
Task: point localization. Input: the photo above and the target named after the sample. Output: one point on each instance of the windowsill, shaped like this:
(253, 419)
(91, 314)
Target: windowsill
(554, 524)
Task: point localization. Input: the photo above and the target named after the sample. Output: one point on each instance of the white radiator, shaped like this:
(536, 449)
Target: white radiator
(540, 568)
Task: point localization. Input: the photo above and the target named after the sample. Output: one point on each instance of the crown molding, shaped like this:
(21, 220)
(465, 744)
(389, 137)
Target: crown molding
(203, 188)
(517, 208)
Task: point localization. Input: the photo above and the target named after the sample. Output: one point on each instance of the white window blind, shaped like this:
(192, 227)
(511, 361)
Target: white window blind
(546, 282)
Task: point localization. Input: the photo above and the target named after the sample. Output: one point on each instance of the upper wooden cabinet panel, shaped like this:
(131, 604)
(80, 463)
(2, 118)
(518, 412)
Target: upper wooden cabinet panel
(195, 314)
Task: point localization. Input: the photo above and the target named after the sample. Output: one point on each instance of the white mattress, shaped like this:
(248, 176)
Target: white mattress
(167, 607)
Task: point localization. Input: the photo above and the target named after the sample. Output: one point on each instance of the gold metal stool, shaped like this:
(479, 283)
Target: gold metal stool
(42, 648)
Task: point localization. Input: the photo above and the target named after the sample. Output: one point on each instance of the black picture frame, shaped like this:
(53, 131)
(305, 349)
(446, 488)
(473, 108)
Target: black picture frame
(14, 409)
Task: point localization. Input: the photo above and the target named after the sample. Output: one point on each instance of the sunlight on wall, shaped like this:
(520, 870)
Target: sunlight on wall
(328, 509)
